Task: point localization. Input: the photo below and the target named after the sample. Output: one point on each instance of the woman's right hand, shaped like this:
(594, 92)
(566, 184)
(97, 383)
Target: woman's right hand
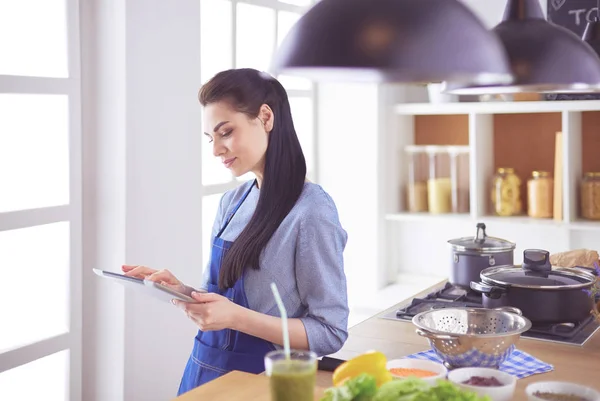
(163, 277)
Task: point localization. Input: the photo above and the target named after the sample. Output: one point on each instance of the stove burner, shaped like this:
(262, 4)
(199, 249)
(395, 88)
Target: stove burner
(454, 297)
(562, 330)
(453, 293)
(422, 305)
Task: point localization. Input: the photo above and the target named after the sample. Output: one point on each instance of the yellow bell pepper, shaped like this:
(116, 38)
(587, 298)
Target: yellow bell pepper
(372, 363)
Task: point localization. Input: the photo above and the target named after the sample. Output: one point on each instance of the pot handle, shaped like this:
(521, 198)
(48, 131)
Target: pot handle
(510, 309)
(429, 334)
(536, 260)
(489, 290)
(480, 235)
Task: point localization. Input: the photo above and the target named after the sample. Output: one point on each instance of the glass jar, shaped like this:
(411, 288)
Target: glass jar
(540, 195)
(590, 196)
(459, 177)
(439, 195)
(506, 193)
(416, 190)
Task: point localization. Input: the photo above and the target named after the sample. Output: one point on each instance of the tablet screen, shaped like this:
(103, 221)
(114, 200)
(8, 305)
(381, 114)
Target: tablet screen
(152, 288)
(123, 277)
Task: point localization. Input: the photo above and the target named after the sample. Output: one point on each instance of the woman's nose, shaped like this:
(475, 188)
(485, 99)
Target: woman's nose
(218, 148)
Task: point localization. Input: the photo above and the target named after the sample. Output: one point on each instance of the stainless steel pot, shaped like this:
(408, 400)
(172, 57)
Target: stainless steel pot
(470, 255)
(544, 294)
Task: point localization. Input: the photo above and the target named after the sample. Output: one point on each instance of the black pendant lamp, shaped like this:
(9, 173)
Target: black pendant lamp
(544, 57)
(393, 41)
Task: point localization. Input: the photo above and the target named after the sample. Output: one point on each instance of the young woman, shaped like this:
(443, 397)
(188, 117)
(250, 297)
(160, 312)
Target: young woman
(277, 228)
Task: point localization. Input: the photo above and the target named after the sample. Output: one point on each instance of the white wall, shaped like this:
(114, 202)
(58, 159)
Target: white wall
(427, 252)
(142, 192)
(354, 168)
(103, 108)
(348, 163)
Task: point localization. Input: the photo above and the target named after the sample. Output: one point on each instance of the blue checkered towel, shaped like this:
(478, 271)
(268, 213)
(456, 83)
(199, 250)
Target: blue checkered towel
(519, 363)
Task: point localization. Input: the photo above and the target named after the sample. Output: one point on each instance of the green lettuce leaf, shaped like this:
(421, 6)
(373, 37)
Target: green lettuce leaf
(400, 390)
(364, 388)
(359, 388)
(446, 391)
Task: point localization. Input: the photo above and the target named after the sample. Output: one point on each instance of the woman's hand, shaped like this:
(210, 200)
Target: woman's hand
(163, 277)
(212, 312)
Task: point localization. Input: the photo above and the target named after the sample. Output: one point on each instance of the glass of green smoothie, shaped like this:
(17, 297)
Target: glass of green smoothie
(291, 379)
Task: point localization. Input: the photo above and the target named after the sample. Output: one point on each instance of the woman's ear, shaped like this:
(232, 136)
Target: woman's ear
(266, 116)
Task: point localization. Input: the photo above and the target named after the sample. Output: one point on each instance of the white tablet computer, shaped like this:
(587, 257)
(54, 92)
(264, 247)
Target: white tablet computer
(149, 287)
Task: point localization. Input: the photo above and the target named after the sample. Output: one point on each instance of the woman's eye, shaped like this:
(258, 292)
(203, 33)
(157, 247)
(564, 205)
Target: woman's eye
(225, 134)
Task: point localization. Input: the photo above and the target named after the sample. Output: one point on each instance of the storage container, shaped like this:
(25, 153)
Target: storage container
(418, 173)
(439, 194)
(540, 195)
(590, 196)
(506, 193)
(459, 177)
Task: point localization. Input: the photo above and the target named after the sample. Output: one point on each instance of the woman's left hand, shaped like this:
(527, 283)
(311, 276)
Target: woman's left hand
(212, 312)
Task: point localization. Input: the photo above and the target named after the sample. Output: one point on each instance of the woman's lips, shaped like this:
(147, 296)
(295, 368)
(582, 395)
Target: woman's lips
(228, 162)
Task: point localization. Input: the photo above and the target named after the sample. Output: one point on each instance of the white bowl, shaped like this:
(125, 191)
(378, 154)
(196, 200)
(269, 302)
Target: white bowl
(431, 366)
(587, 393)
(499, 393)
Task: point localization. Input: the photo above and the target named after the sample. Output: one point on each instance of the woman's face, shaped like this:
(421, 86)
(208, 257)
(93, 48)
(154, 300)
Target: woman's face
(238, 140)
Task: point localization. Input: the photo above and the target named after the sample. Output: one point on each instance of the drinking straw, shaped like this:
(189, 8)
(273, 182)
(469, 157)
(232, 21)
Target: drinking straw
(284, 324)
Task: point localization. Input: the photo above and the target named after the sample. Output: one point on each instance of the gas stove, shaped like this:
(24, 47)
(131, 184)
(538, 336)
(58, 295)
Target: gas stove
(452, 297)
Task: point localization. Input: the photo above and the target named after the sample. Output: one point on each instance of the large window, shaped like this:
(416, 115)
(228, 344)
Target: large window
(245, 34)
(40, 200)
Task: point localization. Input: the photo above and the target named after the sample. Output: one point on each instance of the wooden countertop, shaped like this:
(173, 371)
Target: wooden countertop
(578, 364)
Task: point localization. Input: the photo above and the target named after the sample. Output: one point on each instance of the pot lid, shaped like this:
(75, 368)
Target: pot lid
(537, 273)
(481, 243)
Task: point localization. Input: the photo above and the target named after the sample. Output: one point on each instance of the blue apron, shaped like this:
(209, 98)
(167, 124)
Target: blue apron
(216, 353)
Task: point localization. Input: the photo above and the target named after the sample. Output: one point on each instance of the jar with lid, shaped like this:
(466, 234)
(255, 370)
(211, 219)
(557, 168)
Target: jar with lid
(439, 195)
(540, 195)
(590, 196)
(459, 177)
(416, 190)
(506, 193)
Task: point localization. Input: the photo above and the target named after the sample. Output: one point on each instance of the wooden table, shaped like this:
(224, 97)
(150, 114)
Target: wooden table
(397, 339)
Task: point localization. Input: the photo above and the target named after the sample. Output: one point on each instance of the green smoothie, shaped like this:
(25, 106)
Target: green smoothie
(293, 380)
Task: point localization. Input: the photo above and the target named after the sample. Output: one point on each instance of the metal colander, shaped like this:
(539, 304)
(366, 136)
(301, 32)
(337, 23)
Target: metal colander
(472, 337)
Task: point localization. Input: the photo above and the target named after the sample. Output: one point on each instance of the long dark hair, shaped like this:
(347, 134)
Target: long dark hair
(246, 90)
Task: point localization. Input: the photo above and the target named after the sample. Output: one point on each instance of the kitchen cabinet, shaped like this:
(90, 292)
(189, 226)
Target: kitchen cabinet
(515, 134)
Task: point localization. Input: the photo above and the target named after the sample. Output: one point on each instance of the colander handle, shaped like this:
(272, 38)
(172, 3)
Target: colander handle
(435, 336)
(510, 309)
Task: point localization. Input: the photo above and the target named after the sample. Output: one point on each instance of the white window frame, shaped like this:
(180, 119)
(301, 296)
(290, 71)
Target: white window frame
(311, 93)
(71, 212)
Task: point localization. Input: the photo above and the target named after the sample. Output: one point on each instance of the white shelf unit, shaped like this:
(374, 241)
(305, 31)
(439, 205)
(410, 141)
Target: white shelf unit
(481, 132)
(411, 232)
(496, 107)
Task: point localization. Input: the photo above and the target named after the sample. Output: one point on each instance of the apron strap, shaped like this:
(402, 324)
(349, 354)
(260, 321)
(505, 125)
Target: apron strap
(235, 209)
